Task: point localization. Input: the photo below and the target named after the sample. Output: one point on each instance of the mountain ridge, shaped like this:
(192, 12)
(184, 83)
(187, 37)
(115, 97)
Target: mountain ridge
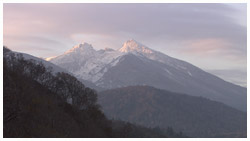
(106, 69)
(152, 107)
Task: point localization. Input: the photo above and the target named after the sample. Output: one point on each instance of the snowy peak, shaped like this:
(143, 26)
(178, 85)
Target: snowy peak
(135, 47)
(81, 47)
(105, 68)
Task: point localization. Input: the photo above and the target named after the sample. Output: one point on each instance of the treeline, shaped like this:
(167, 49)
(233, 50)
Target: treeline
(122, 129)
(38, 102)
(63, 84)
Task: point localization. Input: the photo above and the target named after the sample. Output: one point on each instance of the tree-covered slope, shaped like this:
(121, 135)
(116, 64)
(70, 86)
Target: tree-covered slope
(194, 116)
(35, 104)
(39, 103)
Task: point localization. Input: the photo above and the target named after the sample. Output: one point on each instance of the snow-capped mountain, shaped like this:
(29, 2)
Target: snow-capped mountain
(87, 63)
(136, 64)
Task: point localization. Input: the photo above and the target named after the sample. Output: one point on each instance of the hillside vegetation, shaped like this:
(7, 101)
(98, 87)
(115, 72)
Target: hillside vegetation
(39, 103)
(194, 116)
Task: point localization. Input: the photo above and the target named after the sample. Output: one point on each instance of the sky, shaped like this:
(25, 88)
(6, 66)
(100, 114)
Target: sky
(210, 36)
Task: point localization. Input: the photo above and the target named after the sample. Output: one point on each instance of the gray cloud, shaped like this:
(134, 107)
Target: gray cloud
(167, 27)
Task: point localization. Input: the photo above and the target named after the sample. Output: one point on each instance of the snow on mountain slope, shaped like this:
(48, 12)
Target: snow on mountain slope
(136, 64)
(134, 47)
(54, 67)
(87, 63)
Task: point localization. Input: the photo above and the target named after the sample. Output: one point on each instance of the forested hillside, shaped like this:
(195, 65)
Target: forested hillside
(39, 103)
(195, 116)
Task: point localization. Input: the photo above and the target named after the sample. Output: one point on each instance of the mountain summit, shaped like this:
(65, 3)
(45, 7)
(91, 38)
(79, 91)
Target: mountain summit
(83, 47)
(134, 47)
(136, 64)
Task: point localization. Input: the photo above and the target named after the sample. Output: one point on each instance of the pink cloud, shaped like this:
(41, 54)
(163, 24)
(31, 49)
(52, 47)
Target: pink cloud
(205, 46)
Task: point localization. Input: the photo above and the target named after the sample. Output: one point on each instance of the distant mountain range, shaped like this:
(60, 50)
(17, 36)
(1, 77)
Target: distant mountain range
(136, 64)
(194, 116)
